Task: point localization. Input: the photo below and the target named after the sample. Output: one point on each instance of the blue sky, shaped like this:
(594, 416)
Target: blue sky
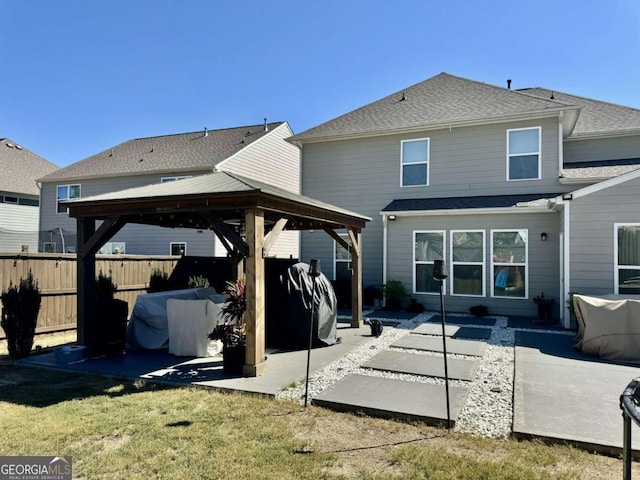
(78, 77)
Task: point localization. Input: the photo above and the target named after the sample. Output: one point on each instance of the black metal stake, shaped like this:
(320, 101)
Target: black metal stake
(444, 350)
(314, 272)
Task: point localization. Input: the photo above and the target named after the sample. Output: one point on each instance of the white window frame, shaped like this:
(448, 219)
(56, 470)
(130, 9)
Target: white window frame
(427, 162)
(483, 263)
(171, 244)
(49, 247)
(616, 266)
(173, 179)
(68, 187)
(443, 233)
(6, 197)
(538, 153)
(109, 248)
(335, 259)
(514, 264)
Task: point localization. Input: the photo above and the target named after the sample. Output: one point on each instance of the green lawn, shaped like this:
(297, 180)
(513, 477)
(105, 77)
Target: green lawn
(122, 429)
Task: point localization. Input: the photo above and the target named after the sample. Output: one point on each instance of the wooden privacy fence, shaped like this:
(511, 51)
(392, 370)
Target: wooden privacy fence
(56, 276)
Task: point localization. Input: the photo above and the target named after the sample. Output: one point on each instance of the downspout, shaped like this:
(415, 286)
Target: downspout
(566, 316)
(384, 250)
(64, 250)
(560, 146)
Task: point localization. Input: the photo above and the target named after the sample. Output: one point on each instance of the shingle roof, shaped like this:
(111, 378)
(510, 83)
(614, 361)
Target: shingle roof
(21, 168)
(595, 116)
(182, 152)
(210, 184)
(461, 203)
(599, 170)
(440, 100)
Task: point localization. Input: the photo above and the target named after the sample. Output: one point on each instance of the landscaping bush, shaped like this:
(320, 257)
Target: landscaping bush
(21, 304)
(159, 281)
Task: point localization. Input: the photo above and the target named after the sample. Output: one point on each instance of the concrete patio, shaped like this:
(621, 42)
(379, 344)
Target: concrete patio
(559, 393)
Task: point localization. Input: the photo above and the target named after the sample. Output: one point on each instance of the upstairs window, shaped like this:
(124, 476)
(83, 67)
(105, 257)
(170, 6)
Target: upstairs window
(66, 192)
(627, 275)
(415, 162)
(523, 154)
(178, 248)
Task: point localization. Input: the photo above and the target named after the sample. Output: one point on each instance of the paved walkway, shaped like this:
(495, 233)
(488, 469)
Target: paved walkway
(559, 394)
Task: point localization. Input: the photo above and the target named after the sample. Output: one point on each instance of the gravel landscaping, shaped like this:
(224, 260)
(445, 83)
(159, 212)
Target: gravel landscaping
(488, 410)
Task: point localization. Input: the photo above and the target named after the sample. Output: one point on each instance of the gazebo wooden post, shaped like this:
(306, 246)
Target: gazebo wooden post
(255, 364)
(356, 279)
(85, 283)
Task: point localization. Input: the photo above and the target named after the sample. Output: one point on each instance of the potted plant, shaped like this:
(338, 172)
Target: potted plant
(232, 330)
(110, 316)
(21, 304)
(372, 296)
(198, 281)
(394, 293)
(545, 305)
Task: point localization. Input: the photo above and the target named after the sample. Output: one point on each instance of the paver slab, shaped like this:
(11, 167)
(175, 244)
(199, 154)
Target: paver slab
(454, 331)
(426, 365)
(434, 344)
(560, 393)
(464, 320)
(389, 397)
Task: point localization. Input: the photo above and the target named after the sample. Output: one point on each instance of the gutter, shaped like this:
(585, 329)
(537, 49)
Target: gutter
(467, 211)
(534, 115)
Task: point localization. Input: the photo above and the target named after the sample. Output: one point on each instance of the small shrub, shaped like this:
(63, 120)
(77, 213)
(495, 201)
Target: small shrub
(21, 304)
(479, 311)
(159, 281)
(105, 288)
(198, 281)
(414, 306)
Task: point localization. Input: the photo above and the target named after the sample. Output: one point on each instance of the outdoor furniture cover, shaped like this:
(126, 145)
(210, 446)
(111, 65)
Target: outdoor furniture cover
(292, 331)
(148, 326)
(609, 326)
(190, 323)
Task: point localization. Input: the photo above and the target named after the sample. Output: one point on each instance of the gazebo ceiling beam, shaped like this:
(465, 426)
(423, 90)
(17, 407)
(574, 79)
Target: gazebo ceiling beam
(107, 230)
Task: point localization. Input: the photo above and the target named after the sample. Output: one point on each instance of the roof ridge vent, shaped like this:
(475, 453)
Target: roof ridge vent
(206, 132)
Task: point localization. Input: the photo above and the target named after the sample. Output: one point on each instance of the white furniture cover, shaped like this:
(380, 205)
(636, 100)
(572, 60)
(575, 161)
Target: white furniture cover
(609, 326)
(148, 326)
(190, 322)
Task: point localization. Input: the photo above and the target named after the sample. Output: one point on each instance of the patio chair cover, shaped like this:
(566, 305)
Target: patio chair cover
(608, 326)
(190, 323)
(293, 331)
(148, 326)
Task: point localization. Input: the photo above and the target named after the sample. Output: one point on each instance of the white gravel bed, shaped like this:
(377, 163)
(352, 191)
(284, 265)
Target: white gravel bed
(488, 409)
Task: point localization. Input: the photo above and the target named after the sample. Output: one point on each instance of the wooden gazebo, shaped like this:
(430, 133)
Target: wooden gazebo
(214, 201)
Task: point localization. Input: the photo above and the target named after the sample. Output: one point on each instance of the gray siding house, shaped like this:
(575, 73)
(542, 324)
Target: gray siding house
(258, 152)
(20, 196)
(521, 192)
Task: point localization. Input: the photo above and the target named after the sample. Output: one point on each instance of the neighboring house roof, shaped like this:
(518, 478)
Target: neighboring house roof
(596, 117)
(21, 168)
(594, 171)
(462, 203)
(182, 152)
(440, 101)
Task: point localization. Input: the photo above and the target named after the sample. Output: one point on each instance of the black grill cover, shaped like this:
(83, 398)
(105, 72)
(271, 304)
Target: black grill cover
(291, 329)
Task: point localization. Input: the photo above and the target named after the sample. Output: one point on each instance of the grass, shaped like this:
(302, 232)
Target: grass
(123, 429)
(45, 340)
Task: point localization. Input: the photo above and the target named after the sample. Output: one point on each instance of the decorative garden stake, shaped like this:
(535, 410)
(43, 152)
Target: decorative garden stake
(314, 273)
(439, 274)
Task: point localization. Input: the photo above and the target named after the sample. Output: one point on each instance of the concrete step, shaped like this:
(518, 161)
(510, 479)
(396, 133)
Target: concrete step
(464, 320)
(425, 365)
(453, 331)
(392, 398)
(434, 344)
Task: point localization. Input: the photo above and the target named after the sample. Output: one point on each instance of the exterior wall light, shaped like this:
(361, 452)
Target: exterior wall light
(392, 217)
(543, 236)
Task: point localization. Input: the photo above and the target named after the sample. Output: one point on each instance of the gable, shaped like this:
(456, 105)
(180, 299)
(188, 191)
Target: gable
(183, 152)
(21, 168)
(440, 101)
